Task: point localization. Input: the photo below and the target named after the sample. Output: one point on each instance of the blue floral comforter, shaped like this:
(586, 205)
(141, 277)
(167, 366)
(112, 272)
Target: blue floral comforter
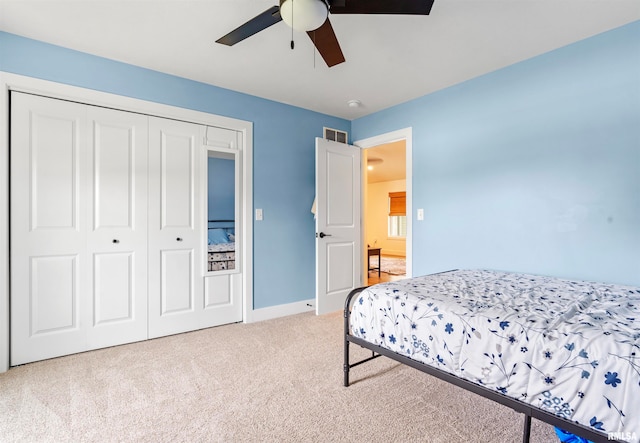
(569, 347)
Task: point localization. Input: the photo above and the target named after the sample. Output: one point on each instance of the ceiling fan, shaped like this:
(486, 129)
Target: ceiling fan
(312, 16)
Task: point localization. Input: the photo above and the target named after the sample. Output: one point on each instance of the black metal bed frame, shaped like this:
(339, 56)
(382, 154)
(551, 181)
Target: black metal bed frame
(528, 410)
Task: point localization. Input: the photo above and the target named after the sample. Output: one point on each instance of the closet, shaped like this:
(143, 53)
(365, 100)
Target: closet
(108, 229)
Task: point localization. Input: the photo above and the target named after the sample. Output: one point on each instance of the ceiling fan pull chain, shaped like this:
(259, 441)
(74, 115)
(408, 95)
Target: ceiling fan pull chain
(292, 45)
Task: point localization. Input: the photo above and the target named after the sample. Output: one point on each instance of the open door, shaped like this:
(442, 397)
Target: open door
(338, 237)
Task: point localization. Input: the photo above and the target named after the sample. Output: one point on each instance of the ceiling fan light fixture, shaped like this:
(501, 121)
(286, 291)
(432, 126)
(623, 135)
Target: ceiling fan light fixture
(304, 15)
(372, 161)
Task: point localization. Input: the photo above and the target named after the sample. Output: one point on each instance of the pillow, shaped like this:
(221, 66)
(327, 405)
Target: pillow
(218, 235)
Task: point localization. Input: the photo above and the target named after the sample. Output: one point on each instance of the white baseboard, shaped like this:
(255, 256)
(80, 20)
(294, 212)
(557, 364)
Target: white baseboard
(281, 310)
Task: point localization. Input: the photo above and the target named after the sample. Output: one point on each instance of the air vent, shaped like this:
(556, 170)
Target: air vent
(335, 135)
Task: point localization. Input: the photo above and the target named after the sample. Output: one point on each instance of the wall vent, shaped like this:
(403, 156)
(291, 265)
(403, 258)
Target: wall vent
(335, 135)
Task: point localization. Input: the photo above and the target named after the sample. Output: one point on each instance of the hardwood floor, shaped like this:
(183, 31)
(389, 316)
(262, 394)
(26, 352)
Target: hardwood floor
(384, 277)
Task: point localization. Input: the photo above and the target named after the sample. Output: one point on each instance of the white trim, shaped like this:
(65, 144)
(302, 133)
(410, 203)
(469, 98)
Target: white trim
(278, 311)
(247, 224)
(61, 91)
(405, 134)
(14, 82)
(4, 226)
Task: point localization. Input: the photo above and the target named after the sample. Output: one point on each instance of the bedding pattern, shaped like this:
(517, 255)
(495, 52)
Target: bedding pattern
(221, 248)
(568, 347)
(221, 256)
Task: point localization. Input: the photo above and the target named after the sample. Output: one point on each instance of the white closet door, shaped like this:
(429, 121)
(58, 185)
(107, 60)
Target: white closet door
(223, 290)
(48, 227)
(117, 228)
(175, 223)
(108, 229)
(78, 181)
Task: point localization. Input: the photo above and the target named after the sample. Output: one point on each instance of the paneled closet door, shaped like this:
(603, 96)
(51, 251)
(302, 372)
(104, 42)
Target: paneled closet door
(78, 181)
(175, 223)
(48, 225)
(117, 228)
(223, 290)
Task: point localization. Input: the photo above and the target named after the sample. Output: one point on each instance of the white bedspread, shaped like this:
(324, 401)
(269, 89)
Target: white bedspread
(222, 247)
(569, 347)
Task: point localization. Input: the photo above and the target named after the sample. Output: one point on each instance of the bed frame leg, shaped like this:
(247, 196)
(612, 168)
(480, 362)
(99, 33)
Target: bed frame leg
(346, 374)
(527, 428)
(345, 367)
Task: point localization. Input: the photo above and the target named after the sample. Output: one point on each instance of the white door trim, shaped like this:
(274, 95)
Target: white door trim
(405, 134)
(13, 82)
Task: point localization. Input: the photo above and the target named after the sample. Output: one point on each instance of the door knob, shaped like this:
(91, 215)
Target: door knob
(323, 235)
(115, 240)
(179, 239)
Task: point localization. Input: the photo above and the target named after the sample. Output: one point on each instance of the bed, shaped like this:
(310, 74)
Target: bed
(221, 246)
(565, 352)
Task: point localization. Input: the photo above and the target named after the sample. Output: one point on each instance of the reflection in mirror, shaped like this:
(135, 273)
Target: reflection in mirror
(221, 211)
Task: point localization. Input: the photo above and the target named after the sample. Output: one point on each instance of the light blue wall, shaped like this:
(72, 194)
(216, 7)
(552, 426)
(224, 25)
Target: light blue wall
(283, 152)
(532, 168)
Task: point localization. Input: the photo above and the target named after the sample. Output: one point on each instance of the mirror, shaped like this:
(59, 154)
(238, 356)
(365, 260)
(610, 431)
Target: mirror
(222, 204)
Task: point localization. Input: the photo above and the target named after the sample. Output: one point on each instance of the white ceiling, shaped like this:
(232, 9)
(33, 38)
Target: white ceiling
(390, 59)
(389, 162)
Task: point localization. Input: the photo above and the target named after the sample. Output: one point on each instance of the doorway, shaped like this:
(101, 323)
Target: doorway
(386, 207)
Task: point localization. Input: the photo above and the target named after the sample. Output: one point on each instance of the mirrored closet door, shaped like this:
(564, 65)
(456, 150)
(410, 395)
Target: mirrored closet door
(110, 238)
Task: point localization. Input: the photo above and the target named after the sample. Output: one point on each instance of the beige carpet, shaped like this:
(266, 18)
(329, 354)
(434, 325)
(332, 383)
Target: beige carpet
(274, 381)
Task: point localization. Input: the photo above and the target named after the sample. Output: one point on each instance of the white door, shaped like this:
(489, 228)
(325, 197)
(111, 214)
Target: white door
(48, 228)
(338, 238)
(175, 226)
(72, 288)
(108, 228)
(117, 226)
(223, 289)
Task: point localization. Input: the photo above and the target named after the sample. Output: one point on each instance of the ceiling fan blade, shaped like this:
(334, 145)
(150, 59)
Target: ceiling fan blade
(327, 44)
(269, 17)
(411, 7)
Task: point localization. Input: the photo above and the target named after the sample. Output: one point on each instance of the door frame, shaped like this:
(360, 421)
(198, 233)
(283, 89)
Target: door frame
(14, 82)
(405, 134)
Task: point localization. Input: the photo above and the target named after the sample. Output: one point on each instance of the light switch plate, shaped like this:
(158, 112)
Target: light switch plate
(258, 214)
(420, 214)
